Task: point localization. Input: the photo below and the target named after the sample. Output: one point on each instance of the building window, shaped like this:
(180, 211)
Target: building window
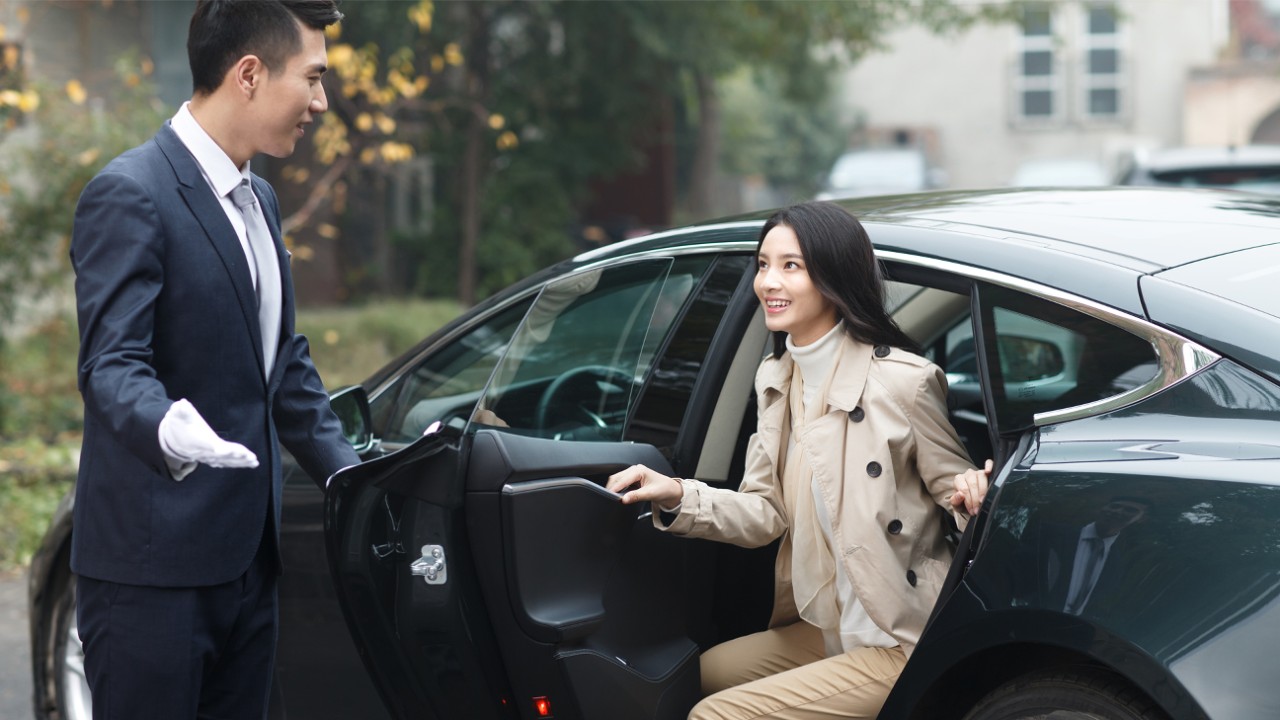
(1101, 64)
(1039, 79)
(1069, 66)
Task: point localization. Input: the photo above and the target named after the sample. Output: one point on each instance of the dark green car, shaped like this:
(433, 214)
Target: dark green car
(1114, 350)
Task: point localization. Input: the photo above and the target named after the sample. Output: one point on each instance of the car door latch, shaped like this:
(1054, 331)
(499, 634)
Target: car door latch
(431, 565)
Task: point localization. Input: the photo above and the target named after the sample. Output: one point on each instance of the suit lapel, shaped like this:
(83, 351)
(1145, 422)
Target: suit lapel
(211, 218)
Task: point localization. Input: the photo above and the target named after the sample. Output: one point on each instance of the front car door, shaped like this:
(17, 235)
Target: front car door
(484, 570)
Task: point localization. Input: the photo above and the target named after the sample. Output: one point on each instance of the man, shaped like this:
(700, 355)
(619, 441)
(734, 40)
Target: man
(191, 374)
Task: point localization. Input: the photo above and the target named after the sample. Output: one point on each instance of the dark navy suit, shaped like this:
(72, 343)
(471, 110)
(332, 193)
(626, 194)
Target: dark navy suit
(167, 310)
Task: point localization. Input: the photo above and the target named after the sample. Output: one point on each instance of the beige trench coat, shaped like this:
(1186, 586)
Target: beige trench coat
(885, 456)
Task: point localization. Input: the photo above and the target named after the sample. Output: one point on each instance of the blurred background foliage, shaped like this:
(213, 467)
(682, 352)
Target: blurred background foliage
(526, 112)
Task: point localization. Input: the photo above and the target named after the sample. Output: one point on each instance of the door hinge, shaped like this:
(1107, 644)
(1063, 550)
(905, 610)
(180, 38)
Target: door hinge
(430, 566)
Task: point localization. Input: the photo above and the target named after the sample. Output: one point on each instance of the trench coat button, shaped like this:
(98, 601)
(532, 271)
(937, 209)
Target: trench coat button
(911, 578)
(882, 351)
(895, 527)
(857, 414)
(873, 469)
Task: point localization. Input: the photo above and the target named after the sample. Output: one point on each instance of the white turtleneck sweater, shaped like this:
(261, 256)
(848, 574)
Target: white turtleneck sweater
(856, 630)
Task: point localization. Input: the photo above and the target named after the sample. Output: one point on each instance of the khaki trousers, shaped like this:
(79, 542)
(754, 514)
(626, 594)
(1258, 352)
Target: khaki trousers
(784, 674)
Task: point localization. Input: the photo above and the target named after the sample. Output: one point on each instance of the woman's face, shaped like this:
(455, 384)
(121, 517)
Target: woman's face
(792, 304)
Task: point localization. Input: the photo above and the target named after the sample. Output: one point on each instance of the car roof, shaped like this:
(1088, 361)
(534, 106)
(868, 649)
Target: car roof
(1141, 229)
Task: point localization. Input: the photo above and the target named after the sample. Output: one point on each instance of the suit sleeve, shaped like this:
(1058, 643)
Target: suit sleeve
(940, 456)
(117, 254)
(305, 423)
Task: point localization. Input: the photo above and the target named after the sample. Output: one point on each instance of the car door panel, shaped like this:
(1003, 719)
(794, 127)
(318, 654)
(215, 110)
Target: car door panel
(430, 654)
(572, 571)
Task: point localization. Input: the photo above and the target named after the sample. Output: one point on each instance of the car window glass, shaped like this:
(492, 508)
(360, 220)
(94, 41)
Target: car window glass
(1049, 357)
(446, 385)
(583, 351)
(661, 409)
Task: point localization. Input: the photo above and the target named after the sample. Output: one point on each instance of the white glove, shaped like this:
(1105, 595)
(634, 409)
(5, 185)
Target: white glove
(187, 439)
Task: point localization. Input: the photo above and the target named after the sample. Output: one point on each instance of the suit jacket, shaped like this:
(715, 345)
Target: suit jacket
(167, 310)
(886, 457)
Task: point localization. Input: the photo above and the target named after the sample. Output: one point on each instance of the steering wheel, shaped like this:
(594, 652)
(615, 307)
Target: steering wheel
(576, 387)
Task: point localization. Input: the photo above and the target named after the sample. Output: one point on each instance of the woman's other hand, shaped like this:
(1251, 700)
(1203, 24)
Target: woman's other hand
(971, 488)
(665, 492)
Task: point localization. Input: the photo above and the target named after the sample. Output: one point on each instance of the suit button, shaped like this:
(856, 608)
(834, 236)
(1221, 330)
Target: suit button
(882, 351)
(911, 578)
(856, 414)
(895, 527)
(873, 469)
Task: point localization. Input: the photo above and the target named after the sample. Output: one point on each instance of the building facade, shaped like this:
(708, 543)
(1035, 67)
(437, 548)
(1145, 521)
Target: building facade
(1075, 79)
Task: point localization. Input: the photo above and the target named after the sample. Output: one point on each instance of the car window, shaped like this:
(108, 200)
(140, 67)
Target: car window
(578, 360)
(446, 385)
(661, 409)
(1051, 357)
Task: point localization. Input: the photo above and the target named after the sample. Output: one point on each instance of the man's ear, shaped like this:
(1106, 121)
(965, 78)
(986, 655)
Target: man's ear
(247, 75)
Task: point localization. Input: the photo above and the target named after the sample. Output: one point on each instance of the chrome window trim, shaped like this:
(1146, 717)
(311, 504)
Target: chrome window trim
(1178, 358)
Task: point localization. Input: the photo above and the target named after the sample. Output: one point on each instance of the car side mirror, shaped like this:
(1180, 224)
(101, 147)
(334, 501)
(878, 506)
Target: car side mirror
(351, 405)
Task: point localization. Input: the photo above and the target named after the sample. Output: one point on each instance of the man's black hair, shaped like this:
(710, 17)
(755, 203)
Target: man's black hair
(223, 31)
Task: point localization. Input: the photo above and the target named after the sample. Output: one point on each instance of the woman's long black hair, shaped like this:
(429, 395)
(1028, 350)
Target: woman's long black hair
(843, 267)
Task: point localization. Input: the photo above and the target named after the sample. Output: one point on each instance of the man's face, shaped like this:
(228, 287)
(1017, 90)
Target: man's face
(290, 97)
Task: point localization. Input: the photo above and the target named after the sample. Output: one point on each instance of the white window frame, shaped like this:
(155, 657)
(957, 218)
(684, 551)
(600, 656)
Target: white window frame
(1054, 82)
(1088, 81)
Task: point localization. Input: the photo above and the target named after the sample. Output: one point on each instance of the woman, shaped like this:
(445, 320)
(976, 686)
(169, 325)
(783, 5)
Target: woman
(853, 450)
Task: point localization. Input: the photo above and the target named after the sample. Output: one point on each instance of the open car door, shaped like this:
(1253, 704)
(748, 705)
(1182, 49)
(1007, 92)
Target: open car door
(485, 571)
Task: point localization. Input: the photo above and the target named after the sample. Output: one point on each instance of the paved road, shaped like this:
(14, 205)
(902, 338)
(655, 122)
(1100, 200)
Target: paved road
(15, 653)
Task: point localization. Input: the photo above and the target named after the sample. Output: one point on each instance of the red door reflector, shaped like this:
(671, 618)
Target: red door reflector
(542, 706)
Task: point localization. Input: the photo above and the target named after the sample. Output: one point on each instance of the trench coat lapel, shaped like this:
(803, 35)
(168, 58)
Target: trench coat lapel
(773, 382)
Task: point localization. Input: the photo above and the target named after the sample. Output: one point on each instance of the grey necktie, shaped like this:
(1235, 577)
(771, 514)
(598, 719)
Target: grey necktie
(267, 264)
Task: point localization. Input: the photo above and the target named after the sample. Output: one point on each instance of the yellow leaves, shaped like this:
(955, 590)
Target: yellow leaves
(147, 66)
(385, 124)
(75, 92)
(304, 253)
(496, 121)
(329, 231)
(420, 15)
(132, 80)
(295, 174)
(507, 140)
(87, 157)
(390, 152)
(334, 31)
(10, 57)
(25, 101)
(393, 152)
(3, 30)
(341, 57)
(364, 122)
(331, 140)
(331, 337)
(437, 64)
(453, 54)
